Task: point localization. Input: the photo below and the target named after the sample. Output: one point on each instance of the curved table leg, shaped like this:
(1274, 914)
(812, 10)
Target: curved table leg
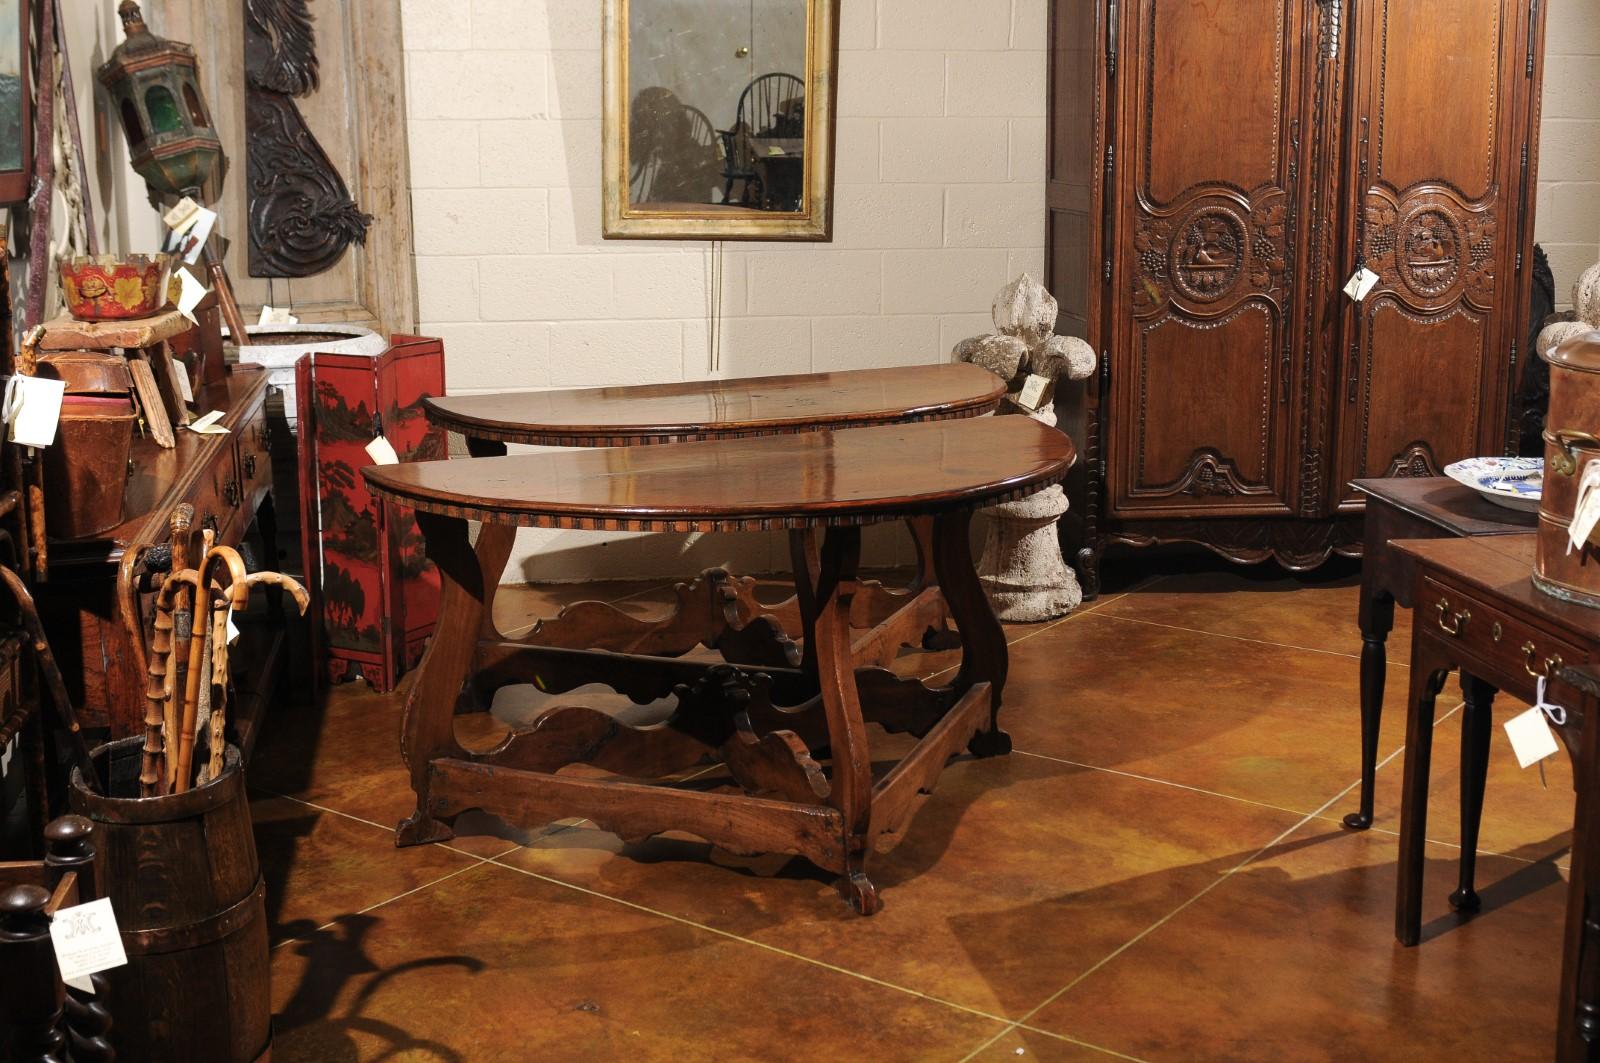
(921, 529)
(984, 658)
(1377, 620)
(467, 577)
(1477, 723)
(847, 731)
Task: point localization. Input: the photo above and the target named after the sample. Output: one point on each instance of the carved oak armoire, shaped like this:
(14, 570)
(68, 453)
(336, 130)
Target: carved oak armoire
(1218, 170)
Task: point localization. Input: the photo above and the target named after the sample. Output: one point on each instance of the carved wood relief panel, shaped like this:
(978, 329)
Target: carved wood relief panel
(1211, 216)
(357, 116)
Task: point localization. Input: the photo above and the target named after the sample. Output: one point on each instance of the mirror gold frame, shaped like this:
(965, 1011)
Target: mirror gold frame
(814, 221)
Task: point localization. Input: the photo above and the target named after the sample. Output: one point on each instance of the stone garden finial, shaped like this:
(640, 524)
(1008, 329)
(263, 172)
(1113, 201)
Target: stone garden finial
(1586, 307)
(1022, 567)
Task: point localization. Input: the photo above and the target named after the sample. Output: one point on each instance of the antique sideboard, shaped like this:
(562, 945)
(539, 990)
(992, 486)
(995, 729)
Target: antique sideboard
(95, 598)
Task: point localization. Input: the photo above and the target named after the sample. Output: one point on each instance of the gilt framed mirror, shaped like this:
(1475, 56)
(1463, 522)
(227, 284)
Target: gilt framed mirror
(719, 119)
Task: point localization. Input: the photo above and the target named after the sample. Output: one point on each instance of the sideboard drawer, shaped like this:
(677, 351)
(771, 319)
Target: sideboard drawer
(216, 496)
(253, 445)
(1490, 632)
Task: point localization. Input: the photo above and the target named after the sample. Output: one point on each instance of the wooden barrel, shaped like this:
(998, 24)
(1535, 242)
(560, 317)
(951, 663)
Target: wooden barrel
(183, 879)
(1572, 442)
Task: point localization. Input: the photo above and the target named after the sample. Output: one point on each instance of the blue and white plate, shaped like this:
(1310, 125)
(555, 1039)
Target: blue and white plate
(1515, 483)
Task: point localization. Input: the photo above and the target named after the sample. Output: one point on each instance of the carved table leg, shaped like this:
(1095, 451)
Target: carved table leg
(1427, 679)
(1578, 1019)
(1477, 723)
(467, 578)
(847, 731)
(488, 448)
(1377, 620)
(984, 656)
(807, 571)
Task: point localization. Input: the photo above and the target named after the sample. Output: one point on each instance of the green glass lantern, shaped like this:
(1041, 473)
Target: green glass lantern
(155, 89)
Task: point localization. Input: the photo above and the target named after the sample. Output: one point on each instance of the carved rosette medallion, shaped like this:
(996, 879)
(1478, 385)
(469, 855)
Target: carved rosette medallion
(1206, 262)
(1432, 250)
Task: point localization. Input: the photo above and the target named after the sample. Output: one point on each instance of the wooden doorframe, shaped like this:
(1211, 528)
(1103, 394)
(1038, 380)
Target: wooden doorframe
(383, 296)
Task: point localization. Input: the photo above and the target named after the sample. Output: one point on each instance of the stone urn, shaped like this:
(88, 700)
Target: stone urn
(1022, 569)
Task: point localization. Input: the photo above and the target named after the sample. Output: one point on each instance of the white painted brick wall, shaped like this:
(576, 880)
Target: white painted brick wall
(939, 196)
(1568, 223)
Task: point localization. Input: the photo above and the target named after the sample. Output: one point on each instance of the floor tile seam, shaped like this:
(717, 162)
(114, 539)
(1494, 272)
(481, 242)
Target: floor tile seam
(1243, 638)
(1268, 805)
(1203, 892)
(764, 946)
(390, 830)
(1051, 626)
(477, 863)
(1014, 1027)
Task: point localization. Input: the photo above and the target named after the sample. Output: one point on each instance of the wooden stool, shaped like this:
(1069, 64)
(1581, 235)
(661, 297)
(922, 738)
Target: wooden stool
(765, 722)
(147, 343)
(651, 414)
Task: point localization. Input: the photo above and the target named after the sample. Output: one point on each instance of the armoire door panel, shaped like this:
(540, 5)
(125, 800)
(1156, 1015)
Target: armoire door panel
(1437, 172)
(1427, 416)
(1199, 131)
(1199, 393)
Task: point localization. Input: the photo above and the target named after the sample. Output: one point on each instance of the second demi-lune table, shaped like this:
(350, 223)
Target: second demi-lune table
(653, 414)
(792, 735)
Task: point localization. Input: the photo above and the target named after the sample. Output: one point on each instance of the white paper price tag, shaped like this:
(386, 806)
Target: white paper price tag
(181, 218)
(86, 942)
(276, 315)
(233, 629)
(208, 426)
(1361, 284)
(382, 452)
(190, 292)
(192, 244)
(5, 755)
(1531, 737)
(180, 381)
(1586, 511)
(32, 409)
(1033, 392)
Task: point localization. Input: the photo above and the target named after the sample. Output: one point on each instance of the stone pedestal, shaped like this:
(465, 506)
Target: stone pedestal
(1022, 568)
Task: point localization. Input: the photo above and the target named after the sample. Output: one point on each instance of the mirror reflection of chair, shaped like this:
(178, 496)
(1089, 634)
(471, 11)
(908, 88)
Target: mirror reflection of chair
(674, 156)
(772, 107)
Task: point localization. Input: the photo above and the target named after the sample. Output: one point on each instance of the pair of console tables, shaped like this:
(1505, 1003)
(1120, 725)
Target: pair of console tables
(784, 707)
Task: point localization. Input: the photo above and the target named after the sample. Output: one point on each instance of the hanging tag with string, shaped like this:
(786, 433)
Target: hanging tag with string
(1532, 740)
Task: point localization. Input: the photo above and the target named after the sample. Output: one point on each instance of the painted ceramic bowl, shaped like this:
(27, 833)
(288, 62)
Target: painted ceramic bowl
(1515, 483)
(113, 288)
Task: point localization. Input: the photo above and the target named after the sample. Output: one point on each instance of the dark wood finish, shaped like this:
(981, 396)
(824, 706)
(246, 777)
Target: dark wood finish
(669, 413)
(97, 610)
(41, 1019)
(1479, 611)
(820, 479)
(182, 875)
(1434, 507)
(773, 726)
(1199, 237)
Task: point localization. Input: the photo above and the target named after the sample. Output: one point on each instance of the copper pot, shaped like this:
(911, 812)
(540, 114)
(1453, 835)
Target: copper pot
(1571, 442)
(86, 469)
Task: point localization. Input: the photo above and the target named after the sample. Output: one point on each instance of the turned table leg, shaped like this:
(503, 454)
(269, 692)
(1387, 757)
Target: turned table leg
(1377, 620)
(1477, 723)
(984, 658)
(467, 577)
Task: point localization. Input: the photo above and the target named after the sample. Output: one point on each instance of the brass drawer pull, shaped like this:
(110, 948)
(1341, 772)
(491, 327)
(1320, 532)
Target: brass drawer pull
(1552, 663)
(1452, 624)
(1565, 460)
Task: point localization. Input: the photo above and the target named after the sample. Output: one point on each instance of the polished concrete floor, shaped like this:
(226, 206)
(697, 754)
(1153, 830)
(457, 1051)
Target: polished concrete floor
(1157, 872)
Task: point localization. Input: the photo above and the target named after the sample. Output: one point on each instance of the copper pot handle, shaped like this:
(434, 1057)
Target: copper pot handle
(1565, 461)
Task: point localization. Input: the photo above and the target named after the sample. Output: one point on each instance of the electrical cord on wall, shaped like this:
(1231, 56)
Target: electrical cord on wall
(714, 329)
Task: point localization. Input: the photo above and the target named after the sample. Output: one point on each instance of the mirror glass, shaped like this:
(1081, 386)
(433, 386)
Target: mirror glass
(716, 114)
(722, 116)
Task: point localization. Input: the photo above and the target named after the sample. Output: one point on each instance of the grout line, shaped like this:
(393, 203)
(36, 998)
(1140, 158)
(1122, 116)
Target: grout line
(390, 900)
(749, 941)
(1022, 1023)
(1242, 638)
